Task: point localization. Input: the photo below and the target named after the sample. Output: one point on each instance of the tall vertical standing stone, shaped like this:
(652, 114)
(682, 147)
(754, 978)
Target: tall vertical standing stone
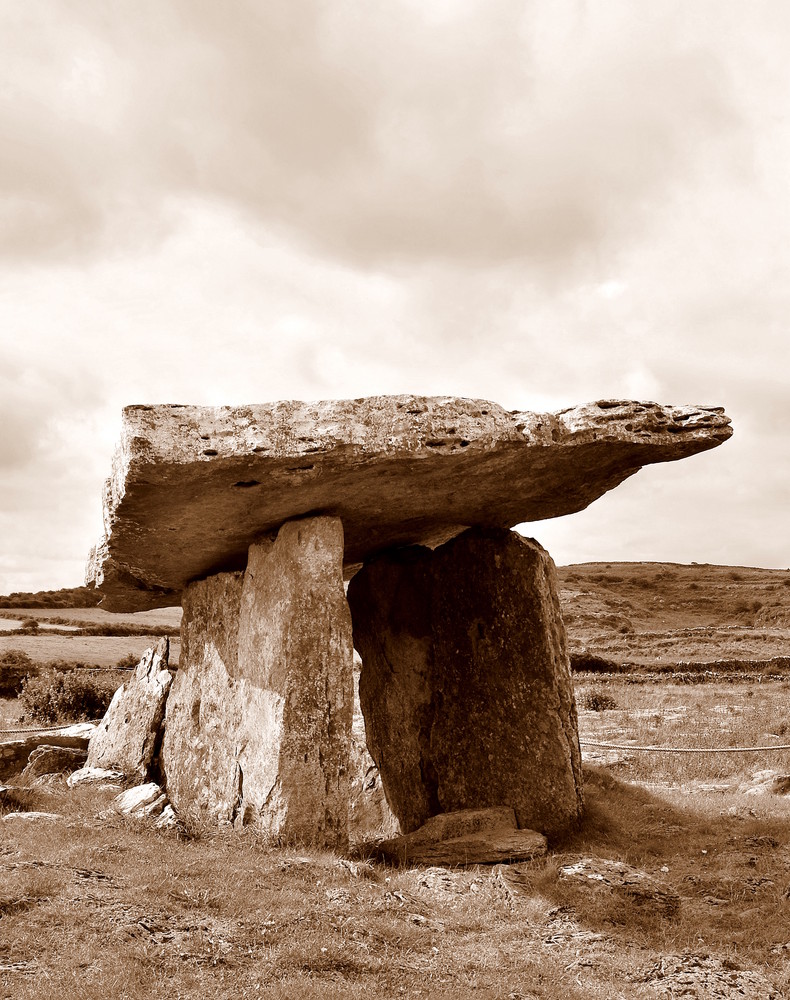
(465, 685)
(258, 721)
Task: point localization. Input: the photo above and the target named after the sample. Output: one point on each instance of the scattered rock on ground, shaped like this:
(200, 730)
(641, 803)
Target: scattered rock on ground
(48, 760)
(444, 880)
(91, 775)
(621, 878)
(766, 782)
(703, 977)
(167, 818)
(142, 800)
(14, 753)
(31, 816)
(466, 837)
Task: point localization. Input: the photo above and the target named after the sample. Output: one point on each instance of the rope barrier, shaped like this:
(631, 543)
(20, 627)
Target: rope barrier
(627, 746)
(41, 729)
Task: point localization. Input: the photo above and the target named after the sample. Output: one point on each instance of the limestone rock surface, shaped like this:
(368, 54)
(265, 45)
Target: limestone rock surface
(465, 684)
(369, 815)
(766, 782)
(32, 816)
(193, 487)
(129, 735)
(620, 878)
(467, 837)
(45, 760)
(94, 776)
(141, 801)
(258, 721)
(14, 753)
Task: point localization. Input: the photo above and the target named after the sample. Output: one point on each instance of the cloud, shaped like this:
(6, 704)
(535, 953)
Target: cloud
(540, 203)
(379, 134)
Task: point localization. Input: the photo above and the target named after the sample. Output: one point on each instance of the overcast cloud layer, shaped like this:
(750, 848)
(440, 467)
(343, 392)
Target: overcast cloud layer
(538, 203)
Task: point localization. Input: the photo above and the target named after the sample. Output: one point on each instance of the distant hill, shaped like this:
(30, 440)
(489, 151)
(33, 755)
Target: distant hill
(662, 613)
(73, 597)
(643, 613)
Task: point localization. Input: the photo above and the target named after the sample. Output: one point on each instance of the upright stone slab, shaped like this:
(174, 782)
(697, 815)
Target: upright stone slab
(258, 721)
(128, 736)
(465, 685)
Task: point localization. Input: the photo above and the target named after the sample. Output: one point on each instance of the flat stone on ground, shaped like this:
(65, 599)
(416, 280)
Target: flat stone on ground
(466, 837)
(193, 487)
(31, 816)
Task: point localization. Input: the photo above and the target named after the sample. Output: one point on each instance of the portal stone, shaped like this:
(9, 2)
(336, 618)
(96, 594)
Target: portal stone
(465, 684)
(128, 736)
(369, 815)
(258, 721)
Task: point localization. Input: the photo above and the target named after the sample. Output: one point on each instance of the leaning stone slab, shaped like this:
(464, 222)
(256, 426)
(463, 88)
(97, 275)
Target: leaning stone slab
(129, 735)
(466, 837)
(465, 685)
(370, 818)
(258, 720)
(193, 487)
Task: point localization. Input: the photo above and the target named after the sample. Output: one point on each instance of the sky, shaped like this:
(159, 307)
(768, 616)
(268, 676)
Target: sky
(540, 203)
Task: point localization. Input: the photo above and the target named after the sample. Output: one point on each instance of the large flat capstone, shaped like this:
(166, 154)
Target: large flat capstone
(193, 487)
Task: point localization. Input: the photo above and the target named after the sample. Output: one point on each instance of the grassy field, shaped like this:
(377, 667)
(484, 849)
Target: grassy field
(91, 906)
(663, 613)
(708, 716)
(159, 617)
(103, 651)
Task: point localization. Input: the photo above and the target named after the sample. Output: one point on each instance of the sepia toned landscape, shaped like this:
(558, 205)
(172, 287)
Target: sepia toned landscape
(676, 884)
(395, 565)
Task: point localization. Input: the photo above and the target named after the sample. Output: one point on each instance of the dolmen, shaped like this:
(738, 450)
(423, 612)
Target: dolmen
(254, 517)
